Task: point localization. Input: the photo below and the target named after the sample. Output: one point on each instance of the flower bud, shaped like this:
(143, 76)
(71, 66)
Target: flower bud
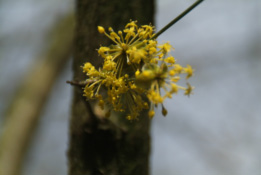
(101, 29)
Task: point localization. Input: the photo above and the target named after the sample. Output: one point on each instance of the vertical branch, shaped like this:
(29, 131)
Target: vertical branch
(113, 146)
(23, 114)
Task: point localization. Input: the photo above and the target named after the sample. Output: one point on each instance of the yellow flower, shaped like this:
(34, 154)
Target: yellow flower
(87, 66)
(135, 56)
(146, 31)
(178, 68)
(109, 65)
(188, 90)
(132, 24)
(102, 51)
(189, 71)
(130, 32)
(165, 48)
(135, 70)
(174, 88)
(152, 47)
(170, 60)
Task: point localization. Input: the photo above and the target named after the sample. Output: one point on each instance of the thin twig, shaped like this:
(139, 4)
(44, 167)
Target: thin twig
(79, 83)
(177, 19)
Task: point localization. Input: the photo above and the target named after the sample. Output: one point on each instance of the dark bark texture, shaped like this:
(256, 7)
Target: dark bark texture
(113, 146)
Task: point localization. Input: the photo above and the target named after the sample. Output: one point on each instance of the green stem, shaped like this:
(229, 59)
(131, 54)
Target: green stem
(177, 19)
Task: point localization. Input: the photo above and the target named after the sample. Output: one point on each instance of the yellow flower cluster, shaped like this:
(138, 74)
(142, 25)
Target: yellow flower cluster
(134, 71)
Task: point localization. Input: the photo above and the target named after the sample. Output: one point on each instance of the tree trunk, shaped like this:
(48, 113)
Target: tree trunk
(113, 146)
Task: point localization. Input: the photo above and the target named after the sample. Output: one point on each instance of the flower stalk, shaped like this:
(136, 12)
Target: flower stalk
(175, 20)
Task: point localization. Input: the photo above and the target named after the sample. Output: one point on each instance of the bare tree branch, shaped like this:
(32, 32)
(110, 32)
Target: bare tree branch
(23, 114)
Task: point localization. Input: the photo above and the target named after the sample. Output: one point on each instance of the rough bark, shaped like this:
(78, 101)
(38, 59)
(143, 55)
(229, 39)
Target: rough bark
(105, 146)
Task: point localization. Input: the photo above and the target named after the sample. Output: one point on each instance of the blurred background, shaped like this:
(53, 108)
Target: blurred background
(215, 131)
